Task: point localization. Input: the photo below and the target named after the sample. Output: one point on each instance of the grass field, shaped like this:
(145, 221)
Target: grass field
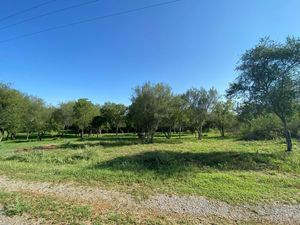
(227, 169)
(54, 211)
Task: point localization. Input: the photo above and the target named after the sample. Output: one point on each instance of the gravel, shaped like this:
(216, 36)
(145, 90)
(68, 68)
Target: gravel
(276, 213)
(16, 220)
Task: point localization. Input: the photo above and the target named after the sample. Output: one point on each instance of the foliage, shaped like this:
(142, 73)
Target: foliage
(56, 120)
(99, 123)
(295, 126)
(149, 108)
(265, 127)
(84, 112)
(175, 117)
(223, 116)
(11, 110)
(36, 116)
(200, 104)
(67, 113)
(269, 79)
(114, 114)
(268, 83)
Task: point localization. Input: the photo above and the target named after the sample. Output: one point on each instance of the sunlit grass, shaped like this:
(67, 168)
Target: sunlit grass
(225, 169)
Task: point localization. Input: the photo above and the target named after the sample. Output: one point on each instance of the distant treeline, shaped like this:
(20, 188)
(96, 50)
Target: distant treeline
(154, 108)
(262, 103)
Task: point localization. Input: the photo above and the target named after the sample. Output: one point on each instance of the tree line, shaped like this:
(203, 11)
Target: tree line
(263, 101)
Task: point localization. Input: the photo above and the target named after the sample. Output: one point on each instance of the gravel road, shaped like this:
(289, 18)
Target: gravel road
(274, 213)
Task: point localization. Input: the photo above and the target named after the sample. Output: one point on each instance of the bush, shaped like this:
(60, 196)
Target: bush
(295, 127)
(265, 127)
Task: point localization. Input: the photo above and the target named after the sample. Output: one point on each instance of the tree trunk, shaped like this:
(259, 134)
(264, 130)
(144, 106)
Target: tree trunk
(7, 135)
(170, 133)
(288, 137)
(167, 134)
(117, 130)
(151, 137)
(27, 136)
(1, 134)
(200, 133)
(222, 131)
(13, 136)
(39, 136)
(81, 134)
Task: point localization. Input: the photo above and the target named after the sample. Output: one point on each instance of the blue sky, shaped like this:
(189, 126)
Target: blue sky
(188, 43)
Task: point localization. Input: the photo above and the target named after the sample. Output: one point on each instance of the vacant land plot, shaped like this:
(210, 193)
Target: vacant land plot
(118, 180)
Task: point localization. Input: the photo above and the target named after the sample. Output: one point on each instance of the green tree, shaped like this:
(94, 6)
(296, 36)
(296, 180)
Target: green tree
(67, 113)
(56, 121)
(174, 117)
(149, 106)
(84, 112)
(269, 79)
(114, 115)
(99, 123)
(11, 110)
(223, 116)
(42, 120)
(36, 116)
(200, 103)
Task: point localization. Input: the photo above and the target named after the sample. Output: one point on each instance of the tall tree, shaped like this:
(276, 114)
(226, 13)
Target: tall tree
(174, 117)
(269, 79)
(99, 123)
(11, 110)
(56, 121)
(67, 113)
(148, 108)
(223, 116)
(84, 112)
(200, 103)
(114, 115)
(36, 116)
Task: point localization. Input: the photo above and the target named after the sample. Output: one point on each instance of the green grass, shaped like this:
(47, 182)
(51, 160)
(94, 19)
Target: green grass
(225, 169)
(57, 211)
(44, 208)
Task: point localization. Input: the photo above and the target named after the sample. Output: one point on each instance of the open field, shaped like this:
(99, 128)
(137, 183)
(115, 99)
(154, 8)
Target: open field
(228, 170)
(158, 112)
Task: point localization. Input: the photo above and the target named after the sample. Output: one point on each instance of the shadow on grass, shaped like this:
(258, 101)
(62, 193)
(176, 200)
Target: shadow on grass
(105, 144)
(169, 162)
(105, 140)
(113, 141)
(218, 137)
(134, 139)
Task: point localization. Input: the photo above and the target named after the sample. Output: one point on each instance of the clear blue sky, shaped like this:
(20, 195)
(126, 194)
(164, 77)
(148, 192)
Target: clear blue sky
(189, 43)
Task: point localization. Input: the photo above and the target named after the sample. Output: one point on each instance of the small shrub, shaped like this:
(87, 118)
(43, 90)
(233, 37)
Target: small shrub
(266, 127)
(295, 127)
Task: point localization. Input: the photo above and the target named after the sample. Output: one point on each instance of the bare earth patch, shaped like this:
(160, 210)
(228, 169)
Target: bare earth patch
(198, 207)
